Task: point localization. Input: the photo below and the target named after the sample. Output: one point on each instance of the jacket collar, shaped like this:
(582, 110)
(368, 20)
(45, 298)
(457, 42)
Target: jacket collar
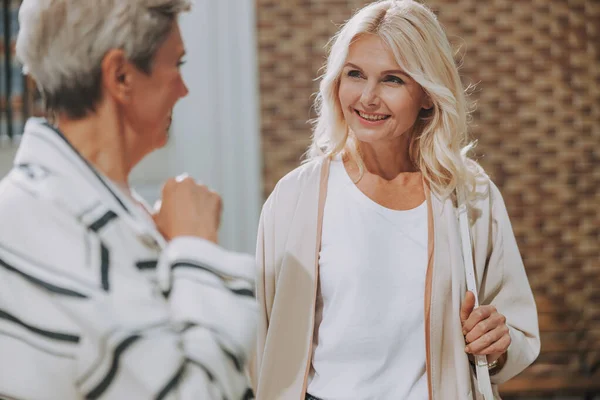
(75, 185)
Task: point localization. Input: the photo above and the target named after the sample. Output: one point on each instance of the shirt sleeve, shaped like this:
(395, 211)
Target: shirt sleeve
(263, 323)
(513, 296)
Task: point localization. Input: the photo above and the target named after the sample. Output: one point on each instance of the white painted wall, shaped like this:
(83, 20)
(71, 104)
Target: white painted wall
(216, 135)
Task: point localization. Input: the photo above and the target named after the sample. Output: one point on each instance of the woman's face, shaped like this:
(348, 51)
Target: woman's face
(154, 95)
(379, 101)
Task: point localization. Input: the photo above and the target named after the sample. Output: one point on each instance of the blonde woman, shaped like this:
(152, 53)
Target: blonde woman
(361, 281)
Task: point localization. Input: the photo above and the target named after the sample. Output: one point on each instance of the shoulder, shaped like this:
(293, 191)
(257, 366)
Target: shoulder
(33, 225)
(19, 201)
(483, 189)
(485, 198)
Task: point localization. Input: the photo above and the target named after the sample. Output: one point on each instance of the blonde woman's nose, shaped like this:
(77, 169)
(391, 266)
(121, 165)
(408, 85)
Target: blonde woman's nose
(369, 97)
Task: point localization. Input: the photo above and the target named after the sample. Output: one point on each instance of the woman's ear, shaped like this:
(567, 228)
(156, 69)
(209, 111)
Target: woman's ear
(427, 103)
(117, 75)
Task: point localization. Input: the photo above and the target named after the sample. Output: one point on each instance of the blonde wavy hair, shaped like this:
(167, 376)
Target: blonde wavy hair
(439, 141)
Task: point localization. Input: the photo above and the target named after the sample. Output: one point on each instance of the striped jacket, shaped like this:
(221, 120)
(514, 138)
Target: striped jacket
(95, 304)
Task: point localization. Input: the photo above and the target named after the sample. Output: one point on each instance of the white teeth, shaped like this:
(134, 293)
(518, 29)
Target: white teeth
(372, 117)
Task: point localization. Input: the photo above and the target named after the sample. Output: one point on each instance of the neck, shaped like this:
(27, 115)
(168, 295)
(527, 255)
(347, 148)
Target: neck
(100, 138)
(387, 159)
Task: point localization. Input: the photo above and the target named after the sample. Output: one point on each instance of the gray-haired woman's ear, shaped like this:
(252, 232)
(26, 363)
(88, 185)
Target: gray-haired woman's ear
(64, 57)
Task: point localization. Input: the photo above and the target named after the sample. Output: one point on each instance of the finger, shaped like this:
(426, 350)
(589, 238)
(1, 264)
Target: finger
(493, 342)
(492, 322)
(219, 209)
(467, 306)
(478, 315)
(216, 197)
(202, 188)
(168, 185)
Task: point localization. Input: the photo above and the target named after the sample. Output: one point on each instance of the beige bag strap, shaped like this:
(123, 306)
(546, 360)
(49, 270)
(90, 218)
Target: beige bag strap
(481, 366)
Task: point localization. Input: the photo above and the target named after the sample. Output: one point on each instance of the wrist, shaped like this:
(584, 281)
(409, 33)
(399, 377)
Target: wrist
(493, 358)
(495, 362)
(492, 364)
(212, 237)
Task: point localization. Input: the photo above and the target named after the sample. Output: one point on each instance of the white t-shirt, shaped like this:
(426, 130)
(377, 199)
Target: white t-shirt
(369, 338)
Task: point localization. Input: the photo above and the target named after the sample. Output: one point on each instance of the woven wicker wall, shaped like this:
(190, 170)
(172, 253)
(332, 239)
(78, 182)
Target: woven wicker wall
(537, 65)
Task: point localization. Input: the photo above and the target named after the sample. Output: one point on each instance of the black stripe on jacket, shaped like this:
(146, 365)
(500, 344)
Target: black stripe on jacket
(43, 284)
(191, 265)
(102, 221)
(112, 372)
(104, 266)
(58, 336)
(172, 384)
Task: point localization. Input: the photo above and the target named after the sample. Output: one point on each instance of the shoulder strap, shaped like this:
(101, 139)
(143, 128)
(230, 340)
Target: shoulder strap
(481, 365)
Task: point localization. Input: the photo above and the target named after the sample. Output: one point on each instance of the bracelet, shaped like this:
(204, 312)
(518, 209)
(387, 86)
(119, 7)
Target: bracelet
(490, 366)
(493, 364)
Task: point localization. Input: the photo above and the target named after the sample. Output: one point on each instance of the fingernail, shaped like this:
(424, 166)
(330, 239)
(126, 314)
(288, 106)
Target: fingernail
(467, 350)
(181, 177)
(464, 333)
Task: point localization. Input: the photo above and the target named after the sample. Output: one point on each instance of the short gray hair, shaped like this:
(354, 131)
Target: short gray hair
(61, 44)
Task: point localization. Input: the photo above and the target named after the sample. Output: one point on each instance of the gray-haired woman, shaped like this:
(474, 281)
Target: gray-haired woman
(100, 297)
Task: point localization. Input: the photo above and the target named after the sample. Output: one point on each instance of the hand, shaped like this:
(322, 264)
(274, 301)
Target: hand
(484, 329)
(188, 209)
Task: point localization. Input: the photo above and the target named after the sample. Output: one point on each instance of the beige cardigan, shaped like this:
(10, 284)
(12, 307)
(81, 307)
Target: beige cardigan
(287, 257)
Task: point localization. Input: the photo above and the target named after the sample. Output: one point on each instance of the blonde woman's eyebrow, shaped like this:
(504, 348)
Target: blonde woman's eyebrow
(395, 72)
(388, 72)
(352, 66)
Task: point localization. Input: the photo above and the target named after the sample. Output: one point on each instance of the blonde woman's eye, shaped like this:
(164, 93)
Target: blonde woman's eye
(393, 79)
(354, 74)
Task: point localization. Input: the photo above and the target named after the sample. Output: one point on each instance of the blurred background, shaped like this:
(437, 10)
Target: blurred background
(536, 65)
